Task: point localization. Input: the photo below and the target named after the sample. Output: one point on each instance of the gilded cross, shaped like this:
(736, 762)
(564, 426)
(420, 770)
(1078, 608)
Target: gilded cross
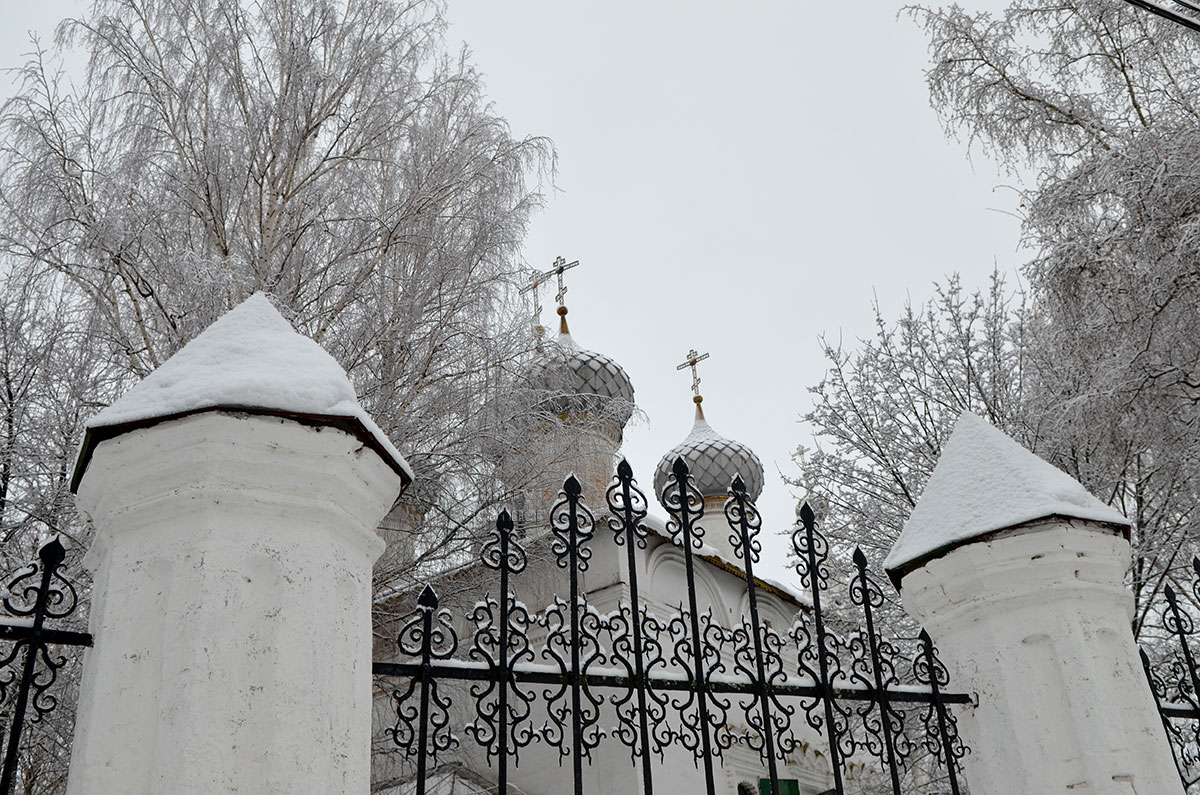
(535, 281)
(692, 359)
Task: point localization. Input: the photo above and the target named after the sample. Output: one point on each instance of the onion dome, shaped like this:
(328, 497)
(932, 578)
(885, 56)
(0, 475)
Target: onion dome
(583, 380)
(713, 461)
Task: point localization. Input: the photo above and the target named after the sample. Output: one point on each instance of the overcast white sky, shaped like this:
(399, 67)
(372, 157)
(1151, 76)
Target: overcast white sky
(735, 177)
(738, 178)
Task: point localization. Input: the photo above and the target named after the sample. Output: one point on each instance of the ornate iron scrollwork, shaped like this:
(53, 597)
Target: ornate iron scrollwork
(422, 727)
(502, 725)
(667, 681)
(28, 669)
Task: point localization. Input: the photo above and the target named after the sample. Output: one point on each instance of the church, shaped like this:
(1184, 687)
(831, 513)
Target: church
(591, 394)
(235, 496)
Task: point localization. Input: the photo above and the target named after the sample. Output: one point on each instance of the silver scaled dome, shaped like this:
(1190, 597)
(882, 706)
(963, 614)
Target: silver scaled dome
(713, 461)
(582, 380)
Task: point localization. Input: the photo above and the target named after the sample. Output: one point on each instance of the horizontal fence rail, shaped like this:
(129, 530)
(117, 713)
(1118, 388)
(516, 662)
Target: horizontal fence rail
(679, 681)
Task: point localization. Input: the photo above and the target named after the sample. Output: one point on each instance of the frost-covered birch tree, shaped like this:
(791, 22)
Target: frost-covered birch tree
(1094, 105)
(50, 379)
(885, 406)
(332, 154)
(1100, 101)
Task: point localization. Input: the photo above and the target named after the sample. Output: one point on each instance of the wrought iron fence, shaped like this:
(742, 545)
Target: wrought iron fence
(669, 681)
(29, 668)
(1175, 680)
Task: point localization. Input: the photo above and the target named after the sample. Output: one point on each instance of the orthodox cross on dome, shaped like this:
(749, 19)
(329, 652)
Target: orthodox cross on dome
(560, 265)
(535, 281)
(692, 359)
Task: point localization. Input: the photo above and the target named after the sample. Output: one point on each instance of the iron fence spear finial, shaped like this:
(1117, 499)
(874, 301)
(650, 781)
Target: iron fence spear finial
(53, 553)
(687, 505)
(812, 551)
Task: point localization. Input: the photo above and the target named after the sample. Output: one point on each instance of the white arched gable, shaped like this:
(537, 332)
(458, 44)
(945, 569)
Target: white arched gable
(668, 581)
(770, 608)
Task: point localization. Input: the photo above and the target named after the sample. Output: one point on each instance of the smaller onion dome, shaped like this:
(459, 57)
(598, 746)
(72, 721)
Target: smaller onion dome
(712, 461)
(581, 376)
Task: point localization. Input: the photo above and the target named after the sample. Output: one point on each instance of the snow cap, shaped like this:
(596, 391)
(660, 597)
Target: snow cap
(984, 482)
(252, 360)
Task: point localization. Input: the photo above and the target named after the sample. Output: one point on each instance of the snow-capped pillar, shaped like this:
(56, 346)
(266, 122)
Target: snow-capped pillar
(232, 560)
(1018, 575)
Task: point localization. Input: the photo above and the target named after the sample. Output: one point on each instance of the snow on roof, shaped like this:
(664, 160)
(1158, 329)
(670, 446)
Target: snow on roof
(250, 358)
(983, 482)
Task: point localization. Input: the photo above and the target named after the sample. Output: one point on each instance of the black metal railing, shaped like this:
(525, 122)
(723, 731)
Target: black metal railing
(548, 677)
(1175, 680)
(28, 668)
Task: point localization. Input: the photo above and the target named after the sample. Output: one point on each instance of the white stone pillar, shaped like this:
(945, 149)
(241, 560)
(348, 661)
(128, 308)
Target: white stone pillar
(1036, 620)
(231, 608)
